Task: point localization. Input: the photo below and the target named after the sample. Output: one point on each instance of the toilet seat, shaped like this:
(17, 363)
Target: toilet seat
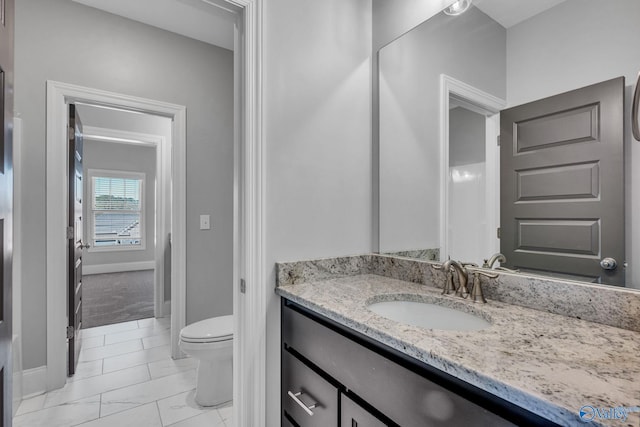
(211, 330)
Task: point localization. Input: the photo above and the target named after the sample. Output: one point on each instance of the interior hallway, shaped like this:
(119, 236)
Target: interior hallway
(125, 377)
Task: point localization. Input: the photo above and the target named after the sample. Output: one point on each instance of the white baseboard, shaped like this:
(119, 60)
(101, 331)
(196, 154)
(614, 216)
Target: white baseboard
(118, 267)
(16, 347)
(166, 309)
(34, 381)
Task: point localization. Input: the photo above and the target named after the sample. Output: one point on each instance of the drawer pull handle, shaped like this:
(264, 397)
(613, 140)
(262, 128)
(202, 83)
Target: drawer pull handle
(306, 408)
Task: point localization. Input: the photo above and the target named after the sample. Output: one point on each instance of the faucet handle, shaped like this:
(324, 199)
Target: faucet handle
(484, 273)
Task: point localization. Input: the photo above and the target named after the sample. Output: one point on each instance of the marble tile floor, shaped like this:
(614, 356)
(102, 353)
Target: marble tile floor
(125, 378)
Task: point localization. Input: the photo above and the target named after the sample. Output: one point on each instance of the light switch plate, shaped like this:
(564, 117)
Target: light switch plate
(205, 222)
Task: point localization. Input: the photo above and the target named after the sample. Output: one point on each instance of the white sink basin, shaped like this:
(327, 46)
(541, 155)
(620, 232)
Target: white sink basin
(430, 316)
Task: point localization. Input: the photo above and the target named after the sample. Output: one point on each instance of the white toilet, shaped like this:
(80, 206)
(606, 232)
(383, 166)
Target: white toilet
(210, 341)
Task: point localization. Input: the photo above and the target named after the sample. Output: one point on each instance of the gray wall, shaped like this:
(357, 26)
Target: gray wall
(410, 69)
(62, 40)
(129, 158)
(467, 140)
(563, 49)
(317, 77)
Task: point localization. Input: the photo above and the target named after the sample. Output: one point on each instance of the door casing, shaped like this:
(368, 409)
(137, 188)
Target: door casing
(58, 96)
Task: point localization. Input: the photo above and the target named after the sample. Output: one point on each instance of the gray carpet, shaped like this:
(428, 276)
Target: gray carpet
(116, 297)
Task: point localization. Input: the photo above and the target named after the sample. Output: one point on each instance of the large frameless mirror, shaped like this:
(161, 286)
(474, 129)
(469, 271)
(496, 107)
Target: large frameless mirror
(505, 129)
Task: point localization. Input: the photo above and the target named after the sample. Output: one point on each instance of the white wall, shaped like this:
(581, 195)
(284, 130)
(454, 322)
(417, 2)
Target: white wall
(317, 77)
(391, 19)
(65, 41)
(467, 187)
(129, 158)
(410, 71)
(575, 44)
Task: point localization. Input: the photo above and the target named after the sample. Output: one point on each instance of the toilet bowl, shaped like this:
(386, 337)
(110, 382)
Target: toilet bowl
(210, 341)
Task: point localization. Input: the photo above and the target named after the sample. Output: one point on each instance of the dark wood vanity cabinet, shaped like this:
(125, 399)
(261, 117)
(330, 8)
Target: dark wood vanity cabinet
(346, 379)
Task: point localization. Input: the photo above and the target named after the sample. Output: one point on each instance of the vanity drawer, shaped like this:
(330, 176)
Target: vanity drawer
(286, 423)
(354, 415)
(406, 397)
(303, 387)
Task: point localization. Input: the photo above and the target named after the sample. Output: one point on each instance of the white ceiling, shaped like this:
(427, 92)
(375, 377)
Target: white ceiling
(196, 19)
(511, 12)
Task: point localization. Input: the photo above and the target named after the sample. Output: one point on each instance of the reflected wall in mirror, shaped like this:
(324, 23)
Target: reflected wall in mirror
(439, 192)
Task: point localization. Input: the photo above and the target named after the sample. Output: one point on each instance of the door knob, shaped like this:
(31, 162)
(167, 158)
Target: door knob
(87, 246)
(608, 264)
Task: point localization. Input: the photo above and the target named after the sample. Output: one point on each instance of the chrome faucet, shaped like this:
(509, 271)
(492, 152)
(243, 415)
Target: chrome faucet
(488, 263)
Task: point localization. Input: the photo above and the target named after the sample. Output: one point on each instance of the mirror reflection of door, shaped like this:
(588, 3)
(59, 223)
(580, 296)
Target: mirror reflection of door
(562, 165)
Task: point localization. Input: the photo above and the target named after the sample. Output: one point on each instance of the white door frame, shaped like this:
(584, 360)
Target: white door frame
(59, 95)
(250, 307)
(162, 195)
(490, 106)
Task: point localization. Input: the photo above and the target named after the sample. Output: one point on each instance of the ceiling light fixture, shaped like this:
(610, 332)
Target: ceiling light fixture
(458, 8)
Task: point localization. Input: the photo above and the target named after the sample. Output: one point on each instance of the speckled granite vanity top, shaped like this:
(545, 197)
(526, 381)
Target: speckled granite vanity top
(547, 363)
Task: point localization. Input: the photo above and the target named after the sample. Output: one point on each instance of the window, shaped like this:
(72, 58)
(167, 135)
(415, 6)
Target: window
(116, 220)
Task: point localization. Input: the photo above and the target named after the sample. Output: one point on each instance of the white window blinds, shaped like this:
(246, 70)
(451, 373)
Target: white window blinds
(116, 211)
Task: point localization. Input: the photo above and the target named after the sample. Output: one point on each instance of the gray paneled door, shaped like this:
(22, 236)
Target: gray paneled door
(75, 238)
(561, 184)
(6, 203)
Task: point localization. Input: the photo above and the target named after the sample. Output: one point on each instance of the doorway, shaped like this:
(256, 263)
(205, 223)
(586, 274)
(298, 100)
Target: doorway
(120, 279)
(170, 218)
(469, 129)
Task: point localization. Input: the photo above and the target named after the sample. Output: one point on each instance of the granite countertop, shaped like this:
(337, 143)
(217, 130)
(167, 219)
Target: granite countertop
(550, 364)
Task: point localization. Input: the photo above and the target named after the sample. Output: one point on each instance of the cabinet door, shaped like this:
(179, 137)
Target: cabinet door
(354, 415)
(306, 396)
